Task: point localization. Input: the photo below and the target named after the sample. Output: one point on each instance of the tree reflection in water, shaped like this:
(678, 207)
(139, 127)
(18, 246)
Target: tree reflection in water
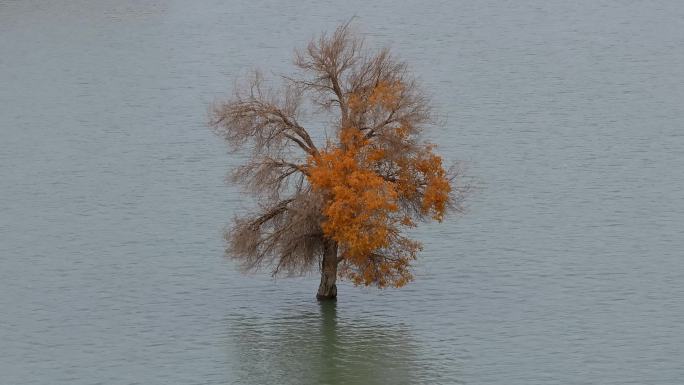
(323, 349)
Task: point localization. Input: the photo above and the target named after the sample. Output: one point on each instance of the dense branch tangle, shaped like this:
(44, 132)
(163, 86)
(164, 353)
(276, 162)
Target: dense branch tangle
(373, 178)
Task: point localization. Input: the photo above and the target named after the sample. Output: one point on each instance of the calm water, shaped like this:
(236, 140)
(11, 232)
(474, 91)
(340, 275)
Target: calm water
(568, 268)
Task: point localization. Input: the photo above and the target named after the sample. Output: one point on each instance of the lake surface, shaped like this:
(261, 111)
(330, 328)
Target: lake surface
(567, 269)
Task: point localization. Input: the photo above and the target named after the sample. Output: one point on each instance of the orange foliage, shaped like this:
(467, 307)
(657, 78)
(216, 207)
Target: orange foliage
(383, 95)
(363, 210)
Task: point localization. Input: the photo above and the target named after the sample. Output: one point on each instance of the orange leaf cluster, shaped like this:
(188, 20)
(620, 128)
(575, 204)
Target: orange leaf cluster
(363, 211)
(359, 200)
(382, 95)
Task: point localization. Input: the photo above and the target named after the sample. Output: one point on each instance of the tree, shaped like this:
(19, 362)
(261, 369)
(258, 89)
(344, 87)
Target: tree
(343, 204)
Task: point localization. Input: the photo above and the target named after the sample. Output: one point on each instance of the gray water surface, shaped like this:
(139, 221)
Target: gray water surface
(567, 268)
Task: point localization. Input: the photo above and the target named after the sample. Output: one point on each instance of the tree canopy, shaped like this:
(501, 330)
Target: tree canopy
(345, 200)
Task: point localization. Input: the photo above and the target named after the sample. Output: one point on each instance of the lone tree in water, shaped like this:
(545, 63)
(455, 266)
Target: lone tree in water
(339, 205)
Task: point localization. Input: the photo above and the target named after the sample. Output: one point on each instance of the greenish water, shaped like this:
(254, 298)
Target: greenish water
(335, 350)
(567, 269)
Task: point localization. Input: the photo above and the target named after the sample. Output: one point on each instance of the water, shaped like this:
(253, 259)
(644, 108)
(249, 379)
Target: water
(567, 268)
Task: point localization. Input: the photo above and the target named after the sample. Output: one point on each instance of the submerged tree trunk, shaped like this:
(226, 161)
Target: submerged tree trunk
(327, 288)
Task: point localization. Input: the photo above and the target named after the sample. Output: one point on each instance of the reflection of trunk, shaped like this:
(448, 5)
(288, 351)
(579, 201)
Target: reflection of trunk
(327, 362)
(328, 289)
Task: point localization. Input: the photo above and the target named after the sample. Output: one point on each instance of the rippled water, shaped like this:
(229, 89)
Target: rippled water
(567, 269)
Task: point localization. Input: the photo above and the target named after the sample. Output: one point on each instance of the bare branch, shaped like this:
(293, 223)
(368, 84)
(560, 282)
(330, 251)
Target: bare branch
(258, 116)
(326, 60)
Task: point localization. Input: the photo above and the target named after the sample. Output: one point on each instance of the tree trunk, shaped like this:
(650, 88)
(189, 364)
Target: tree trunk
(328, 289)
